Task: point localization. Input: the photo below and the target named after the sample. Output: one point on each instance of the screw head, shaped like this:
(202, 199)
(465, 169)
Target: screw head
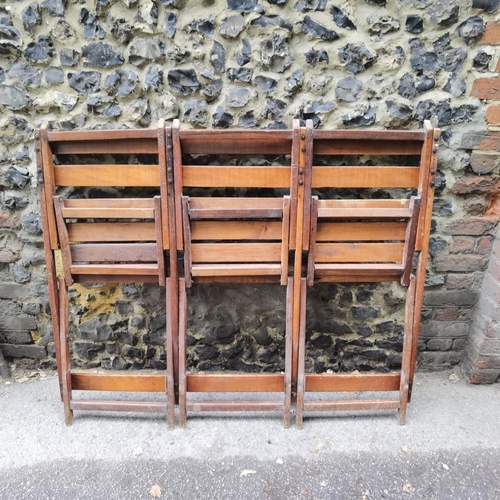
(301, 182)
(303, 149)
(301, 170)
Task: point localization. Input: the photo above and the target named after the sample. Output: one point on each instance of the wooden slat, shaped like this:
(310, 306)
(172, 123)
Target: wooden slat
(231, 142)
(235, 382)
(370, 135)
(104, 208)
(359, 252)
(361, 231)
(107, 175)
(113, 278)
(352, 405)
(239, 278)
(235, 270)
(235, 208)
(148, 382)
(97, 136)
(98, 269)
(362, 146)
(132, 406)
(111, 231)
(364, 203)
(353, 269)
(341, 382)
(236, 230)
(365, 177)
(235, 406)
(356, 278)
(235, 252)
(365, 213)
(109, 203)
(115, 252)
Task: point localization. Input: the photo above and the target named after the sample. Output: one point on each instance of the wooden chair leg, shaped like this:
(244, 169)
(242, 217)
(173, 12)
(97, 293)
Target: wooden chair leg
(65, 355)
(170, 357)
(407, 351)
(299, 419)
(182, 352)
(288, 352)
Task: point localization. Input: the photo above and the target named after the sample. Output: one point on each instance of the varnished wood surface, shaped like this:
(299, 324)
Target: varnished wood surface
(142, 382)
(347, 382)
(235, 382)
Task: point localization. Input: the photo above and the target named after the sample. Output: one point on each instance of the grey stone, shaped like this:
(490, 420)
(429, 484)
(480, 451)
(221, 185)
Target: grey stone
(237, 97)
(133, 352)
(32, 223)
(444, 13)
(121, 82)
(380, 86)
(309, 5)
(31, 17)
(424, 110)
(341, 19)
(218, 57)
(87, 350)
(455, 85)
(22, 155)
(442, 206)
(102, 55)
(183, 81)
(54, 99)
(54, 7)
(436, 280)
(243, 5)
(274, 54)
(361, 117)
(489, 6)
(463, 113)
(221, 118)
(414, 24)
(451, 59)
(451, 298)
(144, 50)
(170, 24)
(115, 363)
(471, 30)
(85, 82)
(2, 75)
(240, 75)
(422, 59)
(274, 110)
(121, 30)
(318, 108)
(16, 176)
(398, 110)
(98, 329)
(69, 57)
(319, 85)
(154, 78)
(245, 55)
(21, 274)
(348, 89)
(40, 51)
(362, 313)
(91, 27)
(383, 25)
(54, 75)
(206, 73)
(103, 105)
(139, 112)
(232, 26)
(481, 61)
(203, 26)
(178, 4)
(248, 120)
(195, 111)
(266, 84)
(356, 58)
(10, 38)
(444, 113)
(274, 21)
(26, 74)
(436, 244)
(212, 90)
(294, 83)
(23, 351)
(314, 57)
(425, 83)
(377, 2)
(4, 368)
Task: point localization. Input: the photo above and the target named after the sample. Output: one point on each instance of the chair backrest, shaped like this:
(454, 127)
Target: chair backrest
(235, 217)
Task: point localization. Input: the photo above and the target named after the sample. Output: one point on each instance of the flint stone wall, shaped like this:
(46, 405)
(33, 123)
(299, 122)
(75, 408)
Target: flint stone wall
(249, 63)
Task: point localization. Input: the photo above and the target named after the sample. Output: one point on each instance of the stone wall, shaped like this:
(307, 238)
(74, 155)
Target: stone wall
(251, 63)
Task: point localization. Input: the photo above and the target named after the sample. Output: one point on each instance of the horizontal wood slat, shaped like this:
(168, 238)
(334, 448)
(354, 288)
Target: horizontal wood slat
(132, 406)
(104, 136)
(108, 213)
(363, 146)
(365, 177)
(232, 176)
(235, 406)
(115, 252)
(107, 175)
(235, 230)
(109, 202)
(234, 208)
(111, 231)
(359, 252)
(117, 269)
(235, 252)
(125, 383)
(360, 231)
(340, 382)
(352, 405)
(235, 382)
(391, 136)
(226, 270)
(113, 278)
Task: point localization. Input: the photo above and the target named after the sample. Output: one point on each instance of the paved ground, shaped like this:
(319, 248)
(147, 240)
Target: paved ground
(449, 449)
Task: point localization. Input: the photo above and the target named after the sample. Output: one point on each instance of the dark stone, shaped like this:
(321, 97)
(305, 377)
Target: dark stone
(348, 89)
(203, 26)
(144, 50)
(425, 83)
(97, 329)
(121, 82)
(266, 84)
(313, 57)
(85, 82)
(245, 55)
(170, 24)
(69, 57)
(155, 338)
(10, 38)
(16, 176)
(455, 85)
(309, 5)
(32, 223)
(54, 7)
(121, 30)
(376, 2)
(54, 75)
(414, 24)
(240, 75)
(232, 26)
(218, 57)
(450, 59)
(374, 355)
(399, 110)
(212, 90)
(471, 30)
(442, 206)
(345, 298)
(362, 313)
(274, 54)
(444, 113)
(269, 357)
(424, 110)
(154, 78)
(321, 342)
(133, 352)
(14, 97)
(183, 81)
(360, 118)
(237, 97)
(241, 366)
(31, 17)
(104, 105)
(22, 155)
(2, 75)
(243, 5)
(23, 351)
(262, 336)
(422, 59)
(248, 120)
(356, 58)
(91, 28)
(315, 30)
(340, 18)
(102, 55)
(294, 83)
(154, 364)
(315, 110)
(87, 350)
(444, 13)
(489, 6)
(464, 113)
(195, 111)
(275, 21)
(383, 25)
(41, 50)
(26, 74)
(116, 363)
(436, 244)
(364, 295)
(205, 352)
(274, 110)
(365, 331)
(221, 118)
(482, 61)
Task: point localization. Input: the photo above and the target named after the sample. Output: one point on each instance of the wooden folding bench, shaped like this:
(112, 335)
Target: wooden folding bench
(106, 240)
(234, 239)
(357, 240)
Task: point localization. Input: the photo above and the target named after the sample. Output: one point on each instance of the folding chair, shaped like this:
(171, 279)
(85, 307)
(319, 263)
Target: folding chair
(356, 240)
(105, 240)
(234, 239)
